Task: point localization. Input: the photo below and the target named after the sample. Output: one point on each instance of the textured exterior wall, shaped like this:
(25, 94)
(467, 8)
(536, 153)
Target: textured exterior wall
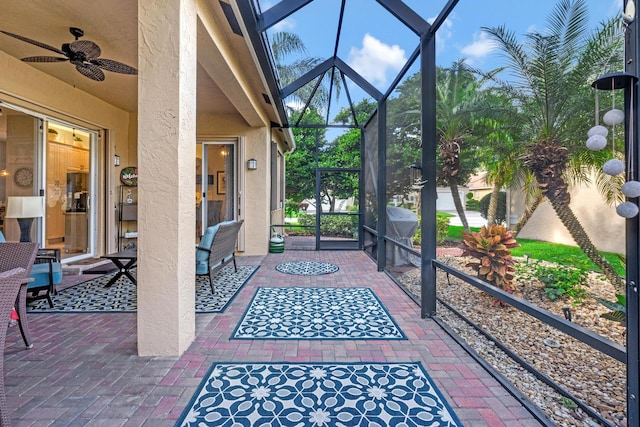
(601, 222)
(166, 160)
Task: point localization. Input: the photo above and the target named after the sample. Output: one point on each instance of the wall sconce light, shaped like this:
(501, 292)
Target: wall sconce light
(4, 172)
(252, 164)
(116, 160)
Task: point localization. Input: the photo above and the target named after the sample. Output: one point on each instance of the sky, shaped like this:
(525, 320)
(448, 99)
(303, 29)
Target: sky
(377, 45)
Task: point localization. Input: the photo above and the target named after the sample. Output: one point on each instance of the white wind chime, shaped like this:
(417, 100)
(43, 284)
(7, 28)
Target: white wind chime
(597, 139)
(597, 135)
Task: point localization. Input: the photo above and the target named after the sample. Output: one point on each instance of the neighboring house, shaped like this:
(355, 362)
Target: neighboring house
(478, 185)
(199, 109)
(601, 222)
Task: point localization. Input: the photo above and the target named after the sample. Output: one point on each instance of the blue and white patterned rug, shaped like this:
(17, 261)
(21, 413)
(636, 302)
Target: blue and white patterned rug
(322, 395)
(307, 268)
(92, 296)
(316, 313)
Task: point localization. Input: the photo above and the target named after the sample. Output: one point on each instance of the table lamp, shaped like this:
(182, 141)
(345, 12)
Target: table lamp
(25, 209)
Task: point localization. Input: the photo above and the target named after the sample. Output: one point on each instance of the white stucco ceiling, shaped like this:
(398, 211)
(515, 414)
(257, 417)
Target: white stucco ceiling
(113, 26)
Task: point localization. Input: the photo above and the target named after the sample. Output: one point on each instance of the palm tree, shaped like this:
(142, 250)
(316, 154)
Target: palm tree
(457, 94)
(552, 72)
(284, 46)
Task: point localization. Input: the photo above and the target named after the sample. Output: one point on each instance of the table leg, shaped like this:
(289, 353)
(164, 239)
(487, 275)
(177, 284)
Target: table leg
(123, 270)
(115, 278)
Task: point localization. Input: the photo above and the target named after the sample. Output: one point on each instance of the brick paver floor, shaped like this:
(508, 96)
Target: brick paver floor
(84, 369)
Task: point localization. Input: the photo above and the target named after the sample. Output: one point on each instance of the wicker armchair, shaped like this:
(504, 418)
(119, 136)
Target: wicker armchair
(10, 283)
(20, 255)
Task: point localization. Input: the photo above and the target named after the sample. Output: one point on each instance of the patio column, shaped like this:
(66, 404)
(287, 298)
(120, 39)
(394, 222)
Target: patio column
(166, 168)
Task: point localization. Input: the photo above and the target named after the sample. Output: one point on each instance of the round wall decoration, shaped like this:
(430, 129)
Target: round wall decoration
(129, 176)
(23, 177)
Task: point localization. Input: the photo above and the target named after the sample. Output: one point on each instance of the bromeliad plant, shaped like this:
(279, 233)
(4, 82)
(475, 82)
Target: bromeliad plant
(491, 245)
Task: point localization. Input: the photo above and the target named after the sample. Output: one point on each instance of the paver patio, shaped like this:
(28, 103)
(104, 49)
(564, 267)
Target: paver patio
(84, 368)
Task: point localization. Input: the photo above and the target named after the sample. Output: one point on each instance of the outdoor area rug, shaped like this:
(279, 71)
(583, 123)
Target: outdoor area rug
(316, 313)
(92, 296)
(307, 268)
(322, 394)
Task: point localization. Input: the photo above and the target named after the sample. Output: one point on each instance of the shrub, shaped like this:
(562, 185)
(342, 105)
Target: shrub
(417, 236)
(333, 225)
(501, 213)
(491, 246)
(291, 209)
(442, 229)
(472, 205)
(560, 281)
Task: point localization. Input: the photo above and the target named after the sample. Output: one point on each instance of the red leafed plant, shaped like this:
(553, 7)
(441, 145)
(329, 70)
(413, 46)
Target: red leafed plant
(491, 246)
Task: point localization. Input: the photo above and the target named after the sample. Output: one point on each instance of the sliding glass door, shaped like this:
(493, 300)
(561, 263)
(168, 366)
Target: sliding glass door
(215, 184)
(53, 160)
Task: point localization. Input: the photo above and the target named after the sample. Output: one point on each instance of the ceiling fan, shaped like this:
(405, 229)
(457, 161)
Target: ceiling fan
(84, 54)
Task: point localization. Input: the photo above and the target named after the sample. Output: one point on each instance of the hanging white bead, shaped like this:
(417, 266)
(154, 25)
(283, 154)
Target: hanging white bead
(613, 117)
(613, 167)
(598, 130)
(627, 210)
(631, 189)
(596, 142)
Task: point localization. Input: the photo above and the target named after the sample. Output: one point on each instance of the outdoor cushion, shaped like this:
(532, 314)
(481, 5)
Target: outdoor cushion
(40, 274)
(203, 249)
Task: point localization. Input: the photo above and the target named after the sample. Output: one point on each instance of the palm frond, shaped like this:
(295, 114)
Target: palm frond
(609, 187)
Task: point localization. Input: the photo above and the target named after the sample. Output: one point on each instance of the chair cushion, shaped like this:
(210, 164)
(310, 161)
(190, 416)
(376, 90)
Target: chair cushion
(202, 256)
(40, 274)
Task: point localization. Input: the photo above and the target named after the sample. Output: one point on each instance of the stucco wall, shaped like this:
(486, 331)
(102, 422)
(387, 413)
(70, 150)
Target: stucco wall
(601, 222)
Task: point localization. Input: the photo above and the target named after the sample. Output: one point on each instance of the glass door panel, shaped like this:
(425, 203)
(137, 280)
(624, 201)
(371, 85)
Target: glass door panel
(215, 184)
(18, 167)
(68, 189)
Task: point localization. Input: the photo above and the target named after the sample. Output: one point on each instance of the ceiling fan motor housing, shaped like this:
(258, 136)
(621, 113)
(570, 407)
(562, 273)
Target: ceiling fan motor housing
(76, 32)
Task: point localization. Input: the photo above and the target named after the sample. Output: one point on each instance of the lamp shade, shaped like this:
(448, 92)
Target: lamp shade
(25, 207)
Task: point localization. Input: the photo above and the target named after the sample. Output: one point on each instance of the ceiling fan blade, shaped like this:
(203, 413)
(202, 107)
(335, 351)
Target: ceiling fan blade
(33, 42)
(91, 71)
(114, 66)
(44, 59)
(86, 47)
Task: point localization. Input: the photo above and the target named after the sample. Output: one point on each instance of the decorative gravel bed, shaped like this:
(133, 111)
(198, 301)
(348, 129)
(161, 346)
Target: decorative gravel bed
(591, 376)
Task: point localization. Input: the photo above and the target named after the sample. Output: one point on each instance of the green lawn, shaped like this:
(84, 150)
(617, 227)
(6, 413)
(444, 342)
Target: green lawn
(564, 254)
(455, 232)
(552, 252)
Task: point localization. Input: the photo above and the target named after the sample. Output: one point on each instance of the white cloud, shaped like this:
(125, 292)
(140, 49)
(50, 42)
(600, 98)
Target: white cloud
(375, 59)
(482, 46)
(285, 25)
(443, 34)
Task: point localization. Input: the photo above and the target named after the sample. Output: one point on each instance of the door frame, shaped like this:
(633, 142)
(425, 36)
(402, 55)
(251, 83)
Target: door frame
(40, 174)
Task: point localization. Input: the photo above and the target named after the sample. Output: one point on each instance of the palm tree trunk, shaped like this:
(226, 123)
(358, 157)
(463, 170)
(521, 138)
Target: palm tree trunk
(493, 202)
(455, 194)
(526, 215)
(576, 230)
